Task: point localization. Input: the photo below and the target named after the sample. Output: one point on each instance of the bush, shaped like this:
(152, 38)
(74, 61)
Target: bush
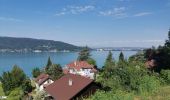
(165, 75)
(40, 95)
(148, 85)
(15, 94)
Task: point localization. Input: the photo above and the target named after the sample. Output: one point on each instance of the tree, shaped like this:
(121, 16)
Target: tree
(55, 71)
(13, 79)
(18, 76)
(36, 72)
(109, 63)
(6, 81)
(16, 94)
(167, 43)
(91, 61)
(84, 54)
(121, 56)
(49, 63)
(26, 86)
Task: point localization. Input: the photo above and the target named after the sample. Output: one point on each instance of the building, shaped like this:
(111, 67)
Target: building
(82, 68)
(71, 87)
(42, 81)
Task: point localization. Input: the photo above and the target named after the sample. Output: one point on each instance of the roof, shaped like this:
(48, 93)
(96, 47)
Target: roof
(61, 90)
(41, 78)
(79, 64)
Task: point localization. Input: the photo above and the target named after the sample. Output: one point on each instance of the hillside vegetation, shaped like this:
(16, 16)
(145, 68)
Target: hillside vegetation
(34, 44)
(1, 90)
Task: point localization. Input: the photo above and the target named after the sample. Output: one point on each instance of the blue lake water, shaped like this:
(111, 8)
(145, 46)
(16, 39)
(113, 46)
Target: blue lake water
(28, 61)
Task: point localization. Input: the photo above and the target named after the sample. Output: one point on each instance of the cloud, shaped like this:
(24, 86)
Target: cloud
(75, 10)
(142, 14)
(10, 19)
(116, 12)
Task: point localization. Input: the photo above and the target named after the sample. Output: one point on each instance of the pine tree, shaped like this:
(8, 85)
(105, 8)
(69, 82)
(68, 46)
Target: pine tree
(109, 63)
(84, 54)
(55, 71)
(167, 43)
(121, 56)
(36, 72)
(49, 63)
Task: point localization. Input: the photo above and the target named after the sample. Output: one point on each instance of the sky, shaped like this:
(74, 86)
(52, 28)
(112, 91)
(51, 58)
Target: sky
(95, 23)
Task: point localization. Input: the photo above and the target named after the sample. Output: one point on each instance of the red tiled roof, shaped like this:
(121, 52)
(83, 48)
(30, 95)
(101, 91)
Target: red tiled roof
(61, 90)
(41, 78)
(79, 64)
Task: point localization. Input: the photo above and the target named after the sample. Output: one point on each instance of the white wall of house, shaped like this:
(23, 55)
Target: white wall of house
(41, 87)
(83, 72)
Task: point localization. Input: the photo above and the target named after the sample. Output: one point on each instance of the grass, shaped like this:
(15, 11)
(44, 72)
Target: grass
(1, 90)
(162, 94)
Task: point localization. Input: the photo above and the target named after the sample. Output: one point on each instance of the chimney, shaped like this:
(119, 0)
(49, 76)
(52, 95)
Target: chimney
(70, 82)
(75, 63)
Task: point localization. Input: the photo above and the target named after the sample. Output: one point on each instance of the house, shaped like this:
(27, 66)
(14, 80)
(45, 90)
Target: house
(82, 68)
(42, 81)
(71, 87)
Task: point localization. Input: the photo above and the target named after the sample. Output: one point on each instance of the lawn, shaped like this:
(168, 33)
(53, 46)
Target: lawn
(1, 90)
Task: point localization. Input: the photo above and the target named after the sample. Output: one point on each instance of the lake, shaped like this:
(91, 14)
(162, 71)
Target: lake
(28, 61)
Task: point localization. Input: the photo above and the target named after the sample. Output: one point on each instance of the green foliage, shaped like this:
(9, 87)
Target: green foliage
(55, 71)
(34, 44)
(161, 55)
(91, 61)
(40, 95)
(26, 86)
(14, 79)
(49, 63)
(7, 84)
(148, 85)
(165, 75)
(138, 57)
(18, 76)
(15, 94)
(36, 72)
(84, 54)
(167, 43)
(109, 63)
(119, 95)
(1, 90)
(121, 56)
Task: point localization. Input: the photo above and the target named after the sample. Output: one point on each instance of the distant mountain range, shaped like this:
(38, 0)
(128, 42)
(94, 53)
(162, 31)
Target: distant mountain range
(11, 44)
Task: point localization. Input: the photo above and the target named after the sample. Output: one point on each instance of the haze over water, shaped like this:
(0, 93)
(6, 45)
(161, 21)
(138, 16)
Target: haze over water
(28, 61)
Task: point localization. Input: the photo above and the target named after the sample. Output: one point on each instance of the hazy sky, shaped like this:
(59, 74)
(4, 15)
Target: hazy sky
(96, 23)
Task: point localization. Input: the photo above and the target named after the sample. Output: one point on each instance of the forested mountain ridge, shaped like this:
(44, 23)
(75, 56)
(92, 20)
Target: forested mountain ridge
(30, 44)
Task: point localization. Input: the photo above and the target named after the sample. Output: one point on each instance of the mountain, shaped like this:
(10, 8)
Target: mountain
(28, 44)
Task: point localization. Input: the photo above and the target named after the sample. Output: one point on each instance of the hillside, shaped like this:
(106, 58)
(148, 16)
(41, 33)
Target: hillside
(29, 44)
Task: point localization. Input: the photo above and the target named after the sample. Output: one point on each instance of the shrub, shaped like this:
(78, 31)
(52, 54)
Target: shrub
(148, 85)
(15, 94)
(165, 75)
